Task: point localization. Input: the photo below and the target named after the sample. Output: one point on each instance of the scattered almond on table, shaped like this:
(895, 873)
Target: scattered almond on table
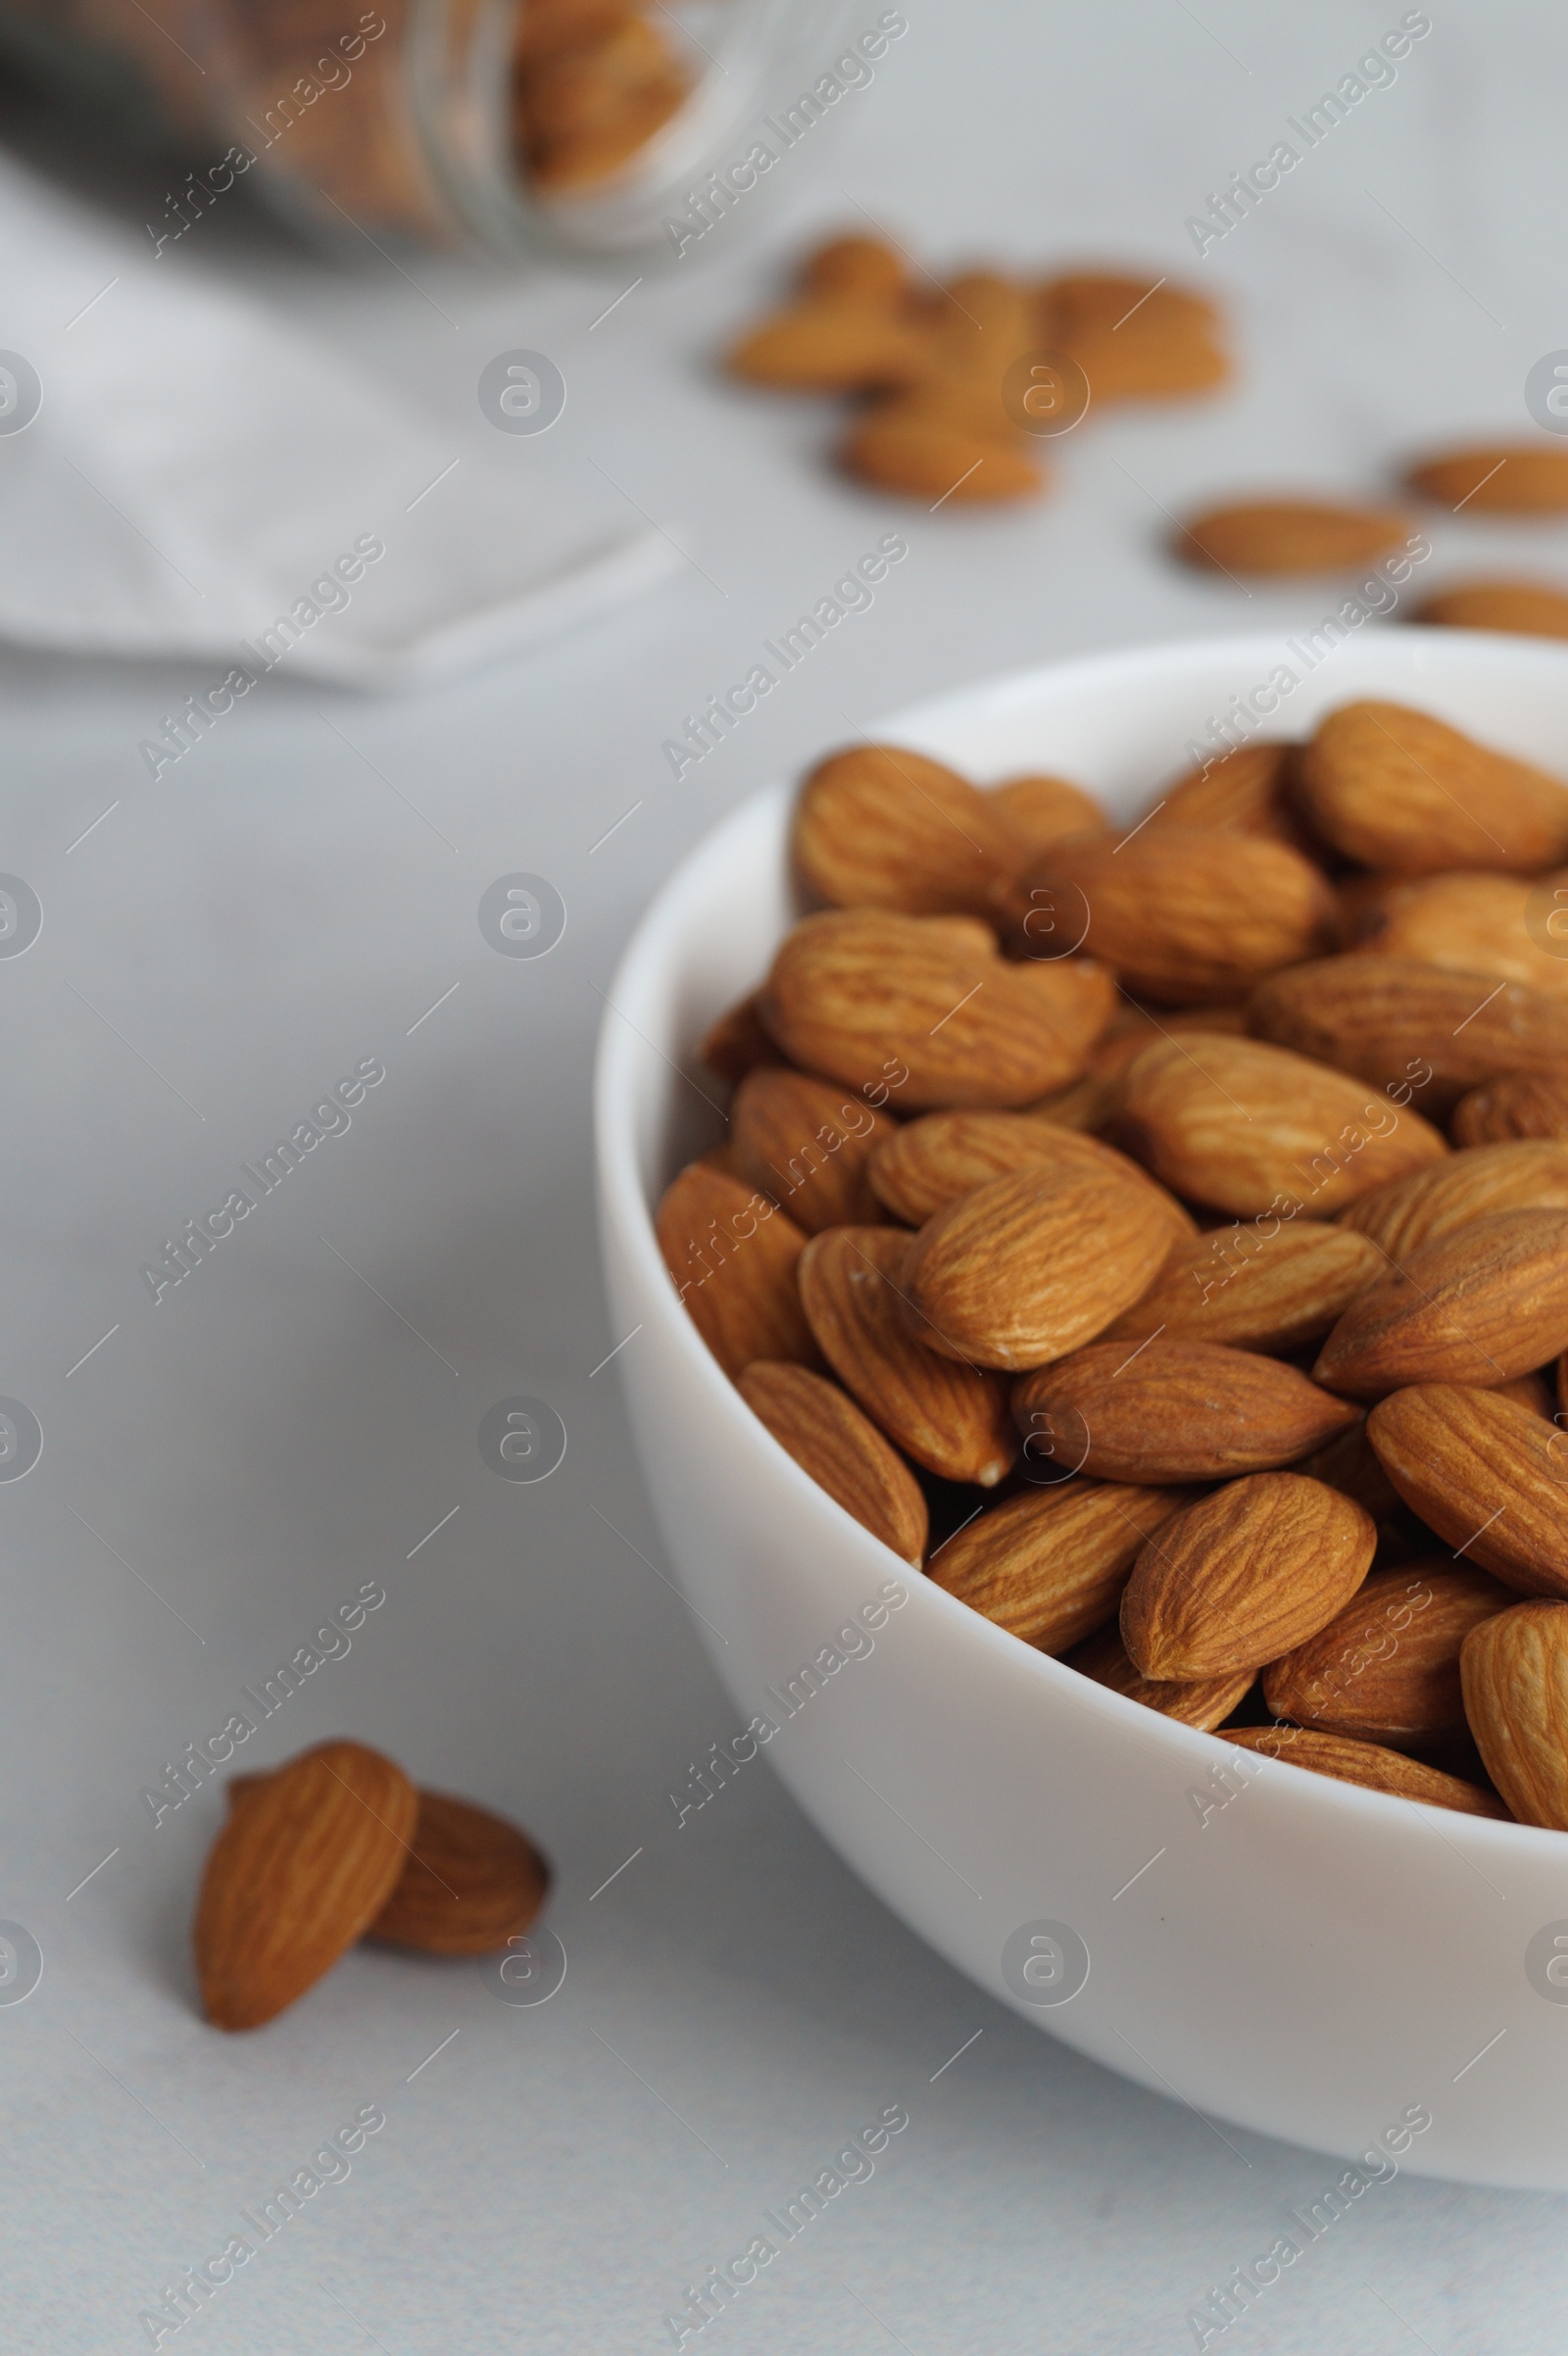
(1161, 1234)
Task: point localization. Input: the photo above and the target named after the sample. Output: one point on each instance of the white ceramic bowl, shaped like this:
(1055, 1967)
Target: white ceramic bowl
(1294, 1954)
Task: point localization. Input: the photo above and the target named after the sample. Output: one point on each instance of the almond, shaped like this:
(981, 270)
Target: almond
(1096, 1100)
(842, 1449)
(1025, 1269)
(471, 1882)
(1248, 791)
(1532, 1391)
(1174, 1411)
(1232, 1285)
(1473, 923)
(1242, 1576)
(1367, 1764)
(1400, 790)
(1205, 1702)
(1183, 913)
(859, 993)
(1410, 1027)
(986, 322)
(1515, 1671)
(879, 826)
(1050, 1565)
(1528, 609)
(1039, 811)
(737, 1042)
(1485, 1474)
(1136, 339)
(903, 446)
(1386, 1668)
(830, 346)
(1496, 478)
(299, 1870)
(953, 1419)
(928, 1163)
(1255, 1130)
(1479, 1306)
(732, 1257)
(1519, 1104)
(854, 269)
(1523, 1175)
(1275, 536)
(808, 1145)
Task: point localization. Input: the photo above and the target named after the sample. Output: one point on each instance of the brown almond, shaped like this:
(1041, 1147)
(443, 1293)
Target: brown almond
(1243, 1575)
(1386, 1668)
(1232, 1285)
(830, 346)
(1367, 1764)
(1479, 1306)
(1415, 1031)
(1048, 1566)
(808, 1144)
(1522, 1175)
(1134, 339)
(1402, 790)
(471, 1882)
(1182, 912)
(842, 1449)
(951, 1419)
(1039, 811)
(1255, 1130)
(926, 1006)
(854, 269)
(1096, 1100)
(1515, 1671)
(1519, 1104)
(1351, 1464)
(1025, 1269)
(1496, 478)
(1203, 1701)
(299, 1870)
(930, 1163)
(1473, 923)
(1489, 1476)
(1278, 537)
(732, 1258)
(1247, 791)
(737, 1042)
(1532, 1391)
(879, 826)
(1173, 1412)
(903, 446)
(1525, 609)
(983, 326)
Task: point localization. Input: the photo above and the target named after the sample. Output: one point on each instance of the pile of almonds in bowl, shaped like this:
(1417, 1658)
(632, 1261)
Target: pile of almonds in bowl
(1161, 1237)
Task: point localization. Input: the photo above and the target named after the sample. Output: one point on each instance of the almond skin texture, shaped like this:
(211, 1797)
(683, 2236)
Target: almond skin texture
(1367, 1764)
(1413, 1030)
(1398, 790)
(472, 1882)
(1386, 1668)
(861, 994)
(1183, 913)
(1245, 793)
(879, 826)
(1453, 1193)
(1528, 609)
(299, 1870)
(1489, 1476)
(1049, 1567)
(1520, 1104)
(808, 1144)
(1176, 1411)
(737, 1043)
(922, 1167)
(1254, 1129)
(1479, 1306)
(1496, 478)
(732, 1258)
(1243, 1575)
(1029, 1267)
(830, 346)
(1515, 1673)
(1231, 1286)
(1279, 536)
(951, 1419)
(843, 1450)
(1473, 923)
(1040, 810)
(1206, 1701)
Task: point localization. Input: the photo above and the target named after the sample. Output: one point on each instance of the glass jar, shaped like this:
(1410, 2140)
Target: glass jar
(590, 127)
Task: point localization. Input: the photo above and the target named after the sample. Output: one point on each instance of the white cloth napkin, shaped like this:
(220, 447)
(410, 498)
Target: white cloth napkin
(198, 471)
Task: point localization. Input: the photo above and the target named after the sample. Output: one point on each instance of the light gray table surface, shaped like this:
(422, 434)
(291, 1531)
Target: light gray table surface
(301, 893)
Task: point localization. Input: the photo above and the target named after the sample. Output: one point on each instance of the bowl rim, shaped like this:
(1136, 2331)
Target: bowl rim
(654, 948)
